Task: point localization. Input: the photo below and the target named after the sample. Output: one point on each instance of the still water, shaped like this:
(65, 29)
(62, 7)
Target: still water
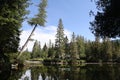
(87, 72)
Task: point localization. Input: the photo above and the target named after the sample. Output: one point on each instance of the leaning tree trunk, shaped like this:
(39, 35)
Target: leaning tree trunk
(21, 51)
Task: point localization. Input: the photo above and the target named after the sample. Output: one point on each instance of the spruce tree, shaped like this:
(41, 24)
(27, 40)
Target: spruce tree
(59, 41)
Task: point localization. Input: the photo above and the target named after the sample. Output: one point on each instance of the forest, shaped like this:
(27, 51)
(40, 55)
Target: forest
(105, 27)
(76, 49)
(65, 58)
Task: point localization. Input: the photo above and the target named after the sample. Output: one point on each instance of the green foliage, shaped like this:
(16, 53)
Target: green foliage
(12, 14)
(44, 53)
(67, 48)
(116, 49)
(107, 49)
(107, 19)
(59, 41)
(40, 18)
(26, 56)
(51, 52)
(80, 46)
(73, 48)
(88, 50)
(36, 50)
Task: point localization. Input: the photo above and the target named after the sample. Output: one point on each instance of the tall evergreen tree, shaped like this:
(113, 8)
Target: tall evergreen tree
(67, 48)
(44, 51)
(88, 50)
(12, 14)
(59, 41)
(51, 52)
(116, 50)
(74, 51)
(36, 51)
(80, 46)
(39, 19)
(96, 53)
(107, 49)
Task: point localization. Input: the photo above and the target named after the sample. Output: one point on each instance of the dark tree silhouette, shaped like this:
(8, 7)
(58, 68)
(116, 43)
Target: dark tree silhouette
(107, 20)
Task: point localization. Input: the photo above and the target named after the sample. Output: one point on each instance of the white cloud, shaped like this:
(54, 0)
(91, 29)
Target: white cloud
(41, 34)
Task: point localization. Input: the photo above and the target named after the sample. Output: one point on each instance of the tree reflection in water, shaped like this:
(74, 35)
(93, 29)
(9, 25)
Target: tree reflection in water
(88, 72)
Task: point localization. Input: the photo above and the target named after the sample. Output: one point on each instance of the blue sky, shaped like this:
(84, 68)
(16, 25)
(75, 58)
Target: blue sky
(74, 14)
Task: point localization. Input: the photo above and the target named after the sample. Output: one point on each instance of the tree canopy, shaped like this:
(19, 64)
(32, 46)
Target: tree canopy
(12, 14)
(107, 19)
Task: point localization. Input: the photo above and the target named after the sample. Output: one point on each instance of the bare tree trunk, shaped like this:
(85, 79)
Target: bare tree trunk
(21, 51)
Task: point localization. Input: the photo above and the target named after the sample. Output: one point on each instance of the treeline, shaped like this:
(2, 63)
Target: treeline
(78, 48)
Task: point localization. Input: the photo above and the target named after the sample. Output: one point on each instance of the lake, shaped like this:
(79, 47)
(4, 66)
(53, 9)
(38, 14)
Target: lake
(87, 72)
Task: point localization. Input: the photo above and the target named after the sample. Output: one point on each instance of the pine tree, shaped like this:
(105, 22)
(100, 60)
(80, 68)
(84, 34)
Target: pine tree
(67, 48)
(107, 49)
(96, 49)
(116, 50)
(51, 52)
(74, 51)
(44, 51)
(81, 46)
(36, 51)
(12, 14)
(59, 42)
(39, 19)
(88, 50)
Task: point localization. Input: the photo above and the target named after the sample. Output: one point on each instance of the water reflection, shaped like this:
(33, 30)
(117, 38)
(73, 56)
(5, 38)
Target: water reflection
(26, 75)
(88, 72)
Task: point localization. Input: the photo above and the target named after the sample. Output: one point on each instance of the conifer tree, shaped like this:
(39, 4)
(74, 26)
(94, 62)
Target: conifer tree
(88, 50)
(44, 51)
(39, 19)
(36, 51)
(96, 49)
(116, 50)
(74, 51)
(12, 14)
(107, 49)
(59, 42)
(81, 46)
(107, 19)
(67, 48)
(51, 51)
